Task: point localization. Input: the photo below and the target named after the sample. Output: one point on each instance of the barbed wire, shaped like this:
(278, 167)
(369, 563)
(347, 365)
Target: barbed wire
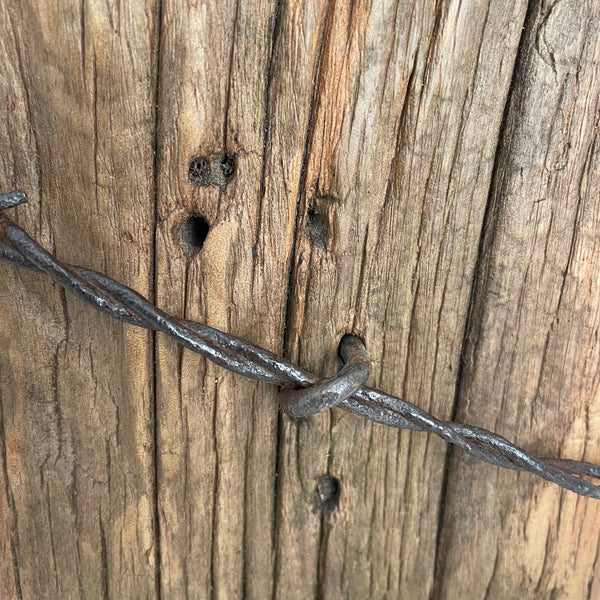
(302, 393)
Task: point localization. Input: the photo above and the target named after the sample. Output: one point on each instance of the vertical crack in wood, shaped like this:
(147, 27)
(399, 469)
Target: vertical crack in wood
(14, 531)
(229, 82)
(215, 494)
(324, 36)
(153, 288)
(308, 138)
(324, 529)
(486, 239)
(103, 560)
(29, 112)
(274, 36)
(266, 123)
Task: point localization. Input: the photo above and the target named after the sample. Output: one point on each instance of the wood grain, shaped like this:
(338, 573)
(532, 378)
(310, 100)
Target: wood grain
(532, 364)
(217, 432)
(422, 174)
(400, 176)
(76, 388)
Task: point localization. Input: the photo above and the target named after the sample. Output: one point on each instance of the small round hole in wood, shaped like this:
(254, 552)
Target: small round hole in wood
(327, 494)
(192, 234)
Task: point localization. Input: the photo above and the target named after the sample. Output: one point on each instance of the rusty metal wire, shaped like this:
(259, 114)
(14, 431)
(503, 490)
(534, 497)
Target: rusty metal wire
(302, 392)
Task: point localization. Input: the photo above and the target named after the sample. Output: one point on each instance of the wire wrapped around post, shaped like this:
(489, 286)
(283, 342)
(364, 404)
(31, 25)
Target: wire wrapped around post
(302, 392)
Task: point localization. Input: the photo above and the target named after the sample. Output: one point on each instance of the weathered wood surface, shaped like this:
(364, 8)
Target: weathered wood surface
(423, 174)
(76, 431)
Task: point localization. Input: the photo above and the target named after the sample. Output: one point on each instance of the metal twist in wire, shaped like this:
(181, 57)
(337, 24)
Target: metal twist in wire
(302, 392)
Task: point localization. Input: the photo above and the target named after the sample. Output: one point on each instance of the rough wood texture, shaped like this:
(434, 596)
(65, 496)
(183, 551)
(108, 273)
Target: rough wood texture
(217, 432)
(76, 389)
(532, 362)
(423, 174)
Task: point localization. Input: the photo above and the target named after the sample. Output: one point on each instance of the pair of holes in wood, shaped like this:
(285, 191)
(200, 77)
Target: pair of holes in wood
(215, 170)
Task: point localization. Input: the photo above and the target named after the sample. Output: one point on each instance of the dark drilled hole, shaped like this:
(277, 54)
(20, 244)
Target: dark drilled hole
(192, 234)
(327, 494)
(317, 228)
(227, 166)
(199, 171)
(217, 169)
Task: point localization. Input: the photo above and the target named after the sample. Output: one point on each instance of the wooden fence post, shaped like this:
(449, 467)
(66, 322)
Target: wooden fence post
(423, 174)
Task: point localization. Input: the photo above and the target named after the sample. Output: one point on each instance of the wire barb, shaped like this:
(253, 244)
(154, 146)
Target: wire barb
(298, 403)
(302, 392)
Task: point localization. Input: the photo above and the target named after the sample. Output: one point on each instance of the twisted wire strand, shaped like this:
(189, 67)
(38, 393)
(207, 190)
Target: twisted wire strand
(302, 392)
